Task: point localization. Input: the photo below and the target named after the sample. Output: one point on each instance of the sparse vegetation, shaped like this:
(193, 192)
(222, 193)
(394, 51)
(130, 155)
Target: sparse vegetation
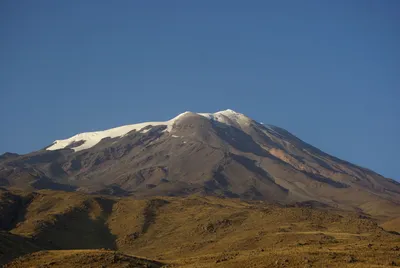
(195, 231)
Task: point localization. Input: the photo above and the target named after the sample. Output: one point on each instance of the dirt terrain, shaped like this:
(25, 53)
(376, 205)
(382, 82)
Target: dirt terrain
(197, 231)
(82, 258)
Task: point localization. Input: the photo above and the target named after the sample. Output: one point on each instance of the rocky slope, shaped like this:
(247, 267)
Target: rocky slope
(222, 154)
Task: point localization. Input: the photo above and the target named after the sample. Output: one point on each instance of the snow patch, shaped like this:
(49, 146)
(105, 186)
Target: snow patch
(92, 138)
(229, 117)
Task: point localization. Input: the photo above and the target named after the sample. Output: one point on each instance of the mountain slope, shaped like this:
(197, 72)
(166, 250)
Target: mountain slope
(223, 154)
(13, 246)
(192, 231)
(81, 258)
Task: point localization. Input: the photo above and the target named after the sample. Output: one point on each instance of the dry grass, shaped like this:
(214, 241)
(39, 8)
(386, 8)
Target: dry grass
(81, 258)
(202, 232)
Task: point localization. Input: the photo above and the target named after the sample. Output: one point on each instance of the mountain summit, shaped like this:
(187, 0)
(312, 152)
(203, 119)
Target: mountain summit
(89, 139)
(224, 154)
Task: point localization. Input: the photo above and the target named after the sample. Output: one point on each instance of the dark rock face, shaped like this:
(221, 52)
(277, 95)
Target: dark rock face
(201, 155)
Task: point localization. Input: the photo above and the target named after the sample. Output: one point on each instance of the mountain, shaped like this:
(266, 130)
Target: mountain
(224, 154)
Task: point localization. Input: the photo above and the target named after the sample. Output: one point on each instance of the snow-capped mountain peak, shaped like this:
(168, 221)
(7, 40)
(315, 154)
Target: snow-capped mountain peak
(223, 153)
(90, 139)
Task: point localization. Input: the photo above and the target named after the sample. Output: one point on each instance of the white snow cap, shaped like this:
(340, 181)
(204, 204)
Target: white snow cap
(90, 139)
(229, 117)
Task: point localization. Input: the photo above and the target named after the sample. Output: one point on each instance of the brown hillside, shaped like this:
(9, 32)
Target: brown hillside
(81, 258)
(13, 246)
(392, 225)
(205, 231)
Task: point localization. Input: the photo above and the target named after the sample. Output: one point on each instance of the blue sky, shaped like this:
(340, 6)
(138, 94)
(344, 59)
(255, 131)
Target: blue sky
(327, 71)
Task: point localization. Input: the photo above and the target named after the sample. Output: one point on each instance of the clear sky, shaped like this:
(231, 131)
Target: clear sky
(327, 71)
